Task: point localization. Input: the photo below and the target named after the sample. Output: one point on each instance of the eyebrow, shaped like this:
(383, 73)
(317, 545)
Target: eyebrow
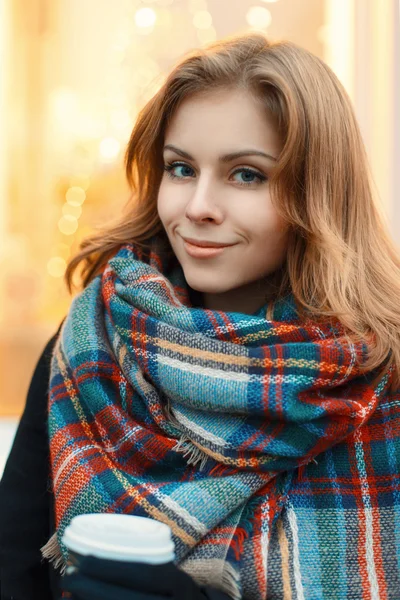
(225, 158)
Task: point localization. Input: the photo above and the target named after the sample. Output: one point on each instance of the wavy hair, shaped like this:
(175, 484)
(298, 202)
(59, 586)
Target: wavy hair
(341, 261)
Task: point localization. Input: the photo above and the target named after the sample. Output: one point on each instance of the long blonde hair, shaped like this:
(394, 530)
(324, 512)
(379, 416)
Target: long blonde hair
(341, 261)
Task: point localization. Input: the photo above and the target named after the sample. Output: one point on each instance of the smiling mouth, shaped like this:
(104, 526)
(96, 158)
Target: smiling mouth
(205, 244)
(203, 252)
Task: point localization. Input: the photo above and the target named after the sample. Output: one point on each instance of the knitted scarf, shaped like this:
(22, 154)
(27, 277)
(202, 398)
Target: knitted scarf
(197, 418)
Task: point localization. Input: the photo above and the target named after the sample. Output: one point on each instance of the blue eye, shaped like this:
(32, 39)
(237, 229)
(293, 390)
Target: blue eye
(250, 177)
(171, 167)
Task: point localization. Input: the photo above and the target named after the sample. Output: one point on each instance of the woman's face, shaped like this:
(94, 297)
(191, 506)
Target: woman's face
(207, 195)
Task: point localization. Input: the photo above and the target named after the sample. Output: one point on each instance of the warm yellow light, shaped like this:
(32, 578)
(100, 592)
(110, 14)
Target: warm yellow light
(324, 34)
(62, 250)
(56, 266)
(64, 104)
(258, 17)
(144, 74)
(68, 224)
(150, 91)
(145, 17)
(269, 1)
(81, 182)
(117, 56)
(202, 19)
(205, 36)
(75, 195)
(109, 148)
(70, 209)
(164, 19)
(196, 5)
(120, 119)
(83, 232)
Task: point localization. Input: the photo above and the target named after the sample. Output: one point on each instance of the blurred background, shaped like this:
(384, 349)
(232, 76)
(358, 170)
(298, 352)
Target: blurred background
(73, 75)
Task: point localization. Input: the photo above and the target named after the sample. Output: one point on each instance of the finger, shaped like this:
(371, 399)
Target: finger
(87, 588)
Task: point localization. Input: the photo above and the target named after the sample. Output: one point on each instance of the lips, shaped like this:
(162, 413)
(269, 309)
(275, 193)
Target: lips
(205, 244)
(203, 252)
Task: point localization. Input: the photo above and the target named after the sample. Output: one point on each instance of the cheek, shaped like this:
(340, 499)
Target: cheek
(272, 237)
(169, 205)
(163, 206)
(264, 224)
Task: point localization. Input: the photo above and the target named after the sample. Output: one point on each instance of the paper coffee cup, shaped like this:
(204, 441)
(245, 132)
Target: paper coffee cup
(120, 537)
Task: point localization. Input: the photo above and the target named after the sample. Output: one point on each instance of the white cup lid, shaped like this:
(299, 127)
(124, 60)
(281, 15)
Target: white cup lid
(120, 537)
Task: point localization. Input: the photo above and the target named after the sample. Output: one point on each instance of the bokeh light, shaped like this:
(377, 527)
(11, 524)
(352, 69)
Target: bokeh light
(68, 224)
(145, 17)
(202, 19)
(56, 266)
(75, 196)
(69, 209)
(258, 17)
(109, 148)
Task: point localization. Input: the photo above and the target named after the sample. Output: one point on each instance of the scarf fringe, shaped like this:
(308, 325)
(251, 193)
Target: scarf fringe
(195, 455)
(218, 573)
(230, 581)
(51, 551)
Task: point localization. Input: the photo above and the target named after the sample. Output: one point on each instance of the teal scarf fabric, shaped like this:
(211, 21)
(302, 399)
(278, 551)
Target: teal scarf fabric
(195, 417)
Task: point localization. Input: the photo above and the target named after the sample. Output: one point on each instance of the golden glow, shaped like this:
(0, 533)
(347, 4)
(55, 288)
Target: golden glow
(62, 250)
(74, 211)
(109, 148)
(75, 196)
(149, 91)
(56, 266)
(65, 101)
(196, 5)
(269, 1)
(68, 224)
(324, 34)
(117, 56)
(145, 73)
(205, 36)
(145, 17)
(121, 121)
(340, 25)
(164, 19)
(258, 17)
(81, 182)
(202, 19)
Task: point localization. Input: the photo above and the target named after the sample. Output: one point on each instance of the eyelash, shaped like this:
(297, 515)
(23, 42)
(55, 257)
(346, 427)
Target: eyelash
(170, 166)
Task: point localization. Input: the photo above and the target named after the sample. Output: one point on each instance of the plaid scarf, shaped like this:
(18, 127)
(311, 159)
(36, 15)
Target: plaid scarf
(198, 418)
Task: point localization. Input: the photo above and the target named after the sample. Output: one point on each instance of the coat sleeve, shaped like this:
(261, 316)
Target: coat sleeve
(25, 496)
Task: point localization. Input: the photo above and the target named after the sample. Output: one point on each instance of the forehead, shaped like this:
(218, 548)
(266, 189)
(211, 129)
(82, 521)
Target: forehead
(226, 119)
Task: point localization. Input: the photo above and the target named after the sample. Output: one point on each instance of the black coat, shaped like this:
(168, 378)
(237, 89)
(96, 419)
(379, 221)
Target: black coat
(26, 499)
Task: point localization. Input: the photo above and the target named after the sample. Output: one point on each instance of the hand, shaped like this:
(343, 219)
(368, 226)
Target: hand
(102, 579)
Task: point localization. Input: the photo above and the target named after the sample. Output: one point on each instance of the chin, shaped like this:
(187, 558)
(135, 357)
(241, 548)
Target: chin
(208, 288)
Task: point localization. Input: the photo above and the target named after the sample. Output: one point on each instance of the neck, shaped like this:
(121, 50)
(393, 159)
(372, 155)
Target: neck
(247, 299)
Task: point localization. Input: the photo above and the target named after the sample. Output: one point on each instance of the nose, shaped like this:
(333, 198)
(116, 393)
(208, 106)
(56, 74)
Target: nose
(202, 205)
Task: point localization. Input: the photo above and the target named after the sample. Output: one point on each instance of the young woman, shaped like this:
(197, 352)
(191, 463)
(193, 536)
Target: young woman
(231, 365)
